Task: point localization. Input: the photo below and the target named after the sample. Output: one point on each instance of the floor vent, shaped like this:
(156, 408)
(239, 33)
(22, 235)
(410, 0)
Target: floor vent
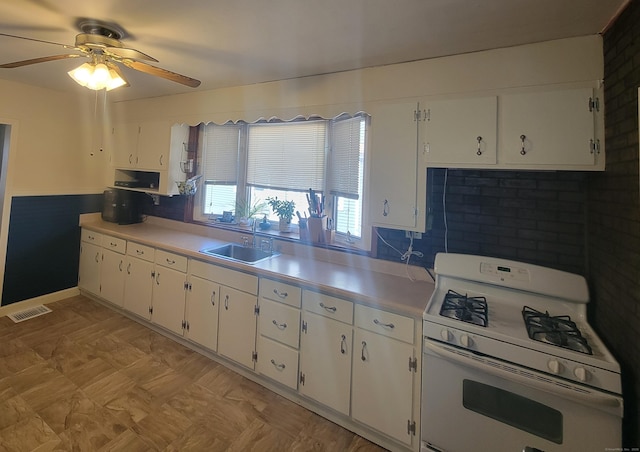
(30, 313)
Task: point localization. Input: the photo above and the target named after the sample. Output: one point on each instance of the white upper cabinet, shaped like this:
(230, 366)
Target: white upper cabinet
(397, 183)
(460, 131)
(550, 129)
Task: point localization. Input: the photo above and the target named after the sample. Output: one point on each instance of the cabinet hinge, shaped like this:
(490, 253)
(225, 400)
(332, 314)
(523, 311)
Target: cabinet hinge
(187, 285)
(304, 327)
(256, 310)
(413, 364)
(153, 274)
(411, 427)
(150, 309)
(594, 146)
(302, 378)
(184, 325)
(594, 104)
(254, 357)
(187, 326)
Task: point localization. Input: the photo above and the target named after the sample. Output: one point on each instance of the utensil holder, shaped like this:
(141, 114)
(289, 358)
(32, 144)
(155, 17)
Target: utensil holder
(317, 228)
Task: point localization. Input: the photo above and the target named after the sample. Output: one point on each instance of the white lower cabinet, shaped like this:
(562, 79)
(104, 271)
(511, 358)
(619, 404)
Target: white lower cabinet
(112, 277)
(237, 326)
(385, 373)
(201, 312)
(326, 350)
(169, 291)
(138, 280)
(89, 271)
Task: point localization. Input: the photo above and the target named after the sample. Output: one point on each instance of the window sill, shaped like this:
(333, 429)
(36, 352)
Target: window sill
(338, 244)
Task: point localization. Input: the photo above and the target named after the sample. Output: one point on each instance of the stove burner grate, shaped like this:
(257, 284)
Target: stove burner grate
(560, 330)
(467, 309)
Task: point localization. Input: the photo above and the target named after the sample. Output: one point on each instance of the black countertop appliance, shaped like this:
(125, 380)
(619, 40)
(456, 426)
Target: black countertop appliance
(122, 206)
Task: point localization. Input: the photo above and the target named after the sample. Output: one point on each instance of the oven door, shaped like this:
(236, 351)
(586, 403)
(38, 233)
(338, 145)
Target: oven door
(472, 402)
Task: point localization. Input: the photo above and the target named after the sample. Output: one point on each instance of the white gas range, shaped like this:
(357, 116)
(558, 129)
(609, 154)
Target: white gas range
(508, 353)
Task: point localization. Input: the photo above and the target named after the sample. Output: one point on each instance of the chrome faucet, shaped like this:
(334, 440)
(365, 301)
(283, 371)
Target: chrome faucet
(253, 233)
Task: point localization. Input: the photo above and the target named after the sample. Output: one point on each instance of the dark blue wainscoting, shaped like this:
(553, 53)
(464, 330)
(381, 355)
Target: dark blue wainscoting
(44, 244)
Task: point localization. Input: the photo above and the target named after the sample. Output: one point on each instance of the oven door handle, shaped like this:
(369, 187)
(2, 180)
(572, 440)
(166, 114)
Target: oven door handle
(599, 401)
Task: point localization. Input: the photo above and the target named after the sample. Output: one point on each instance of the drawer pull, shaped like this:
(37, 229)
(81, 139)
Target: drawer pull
(280, 326)
(282, 295)
(280, 366)
(113, 244)
(386, 325)
(170, 261)
(139, 252)
(328, 308)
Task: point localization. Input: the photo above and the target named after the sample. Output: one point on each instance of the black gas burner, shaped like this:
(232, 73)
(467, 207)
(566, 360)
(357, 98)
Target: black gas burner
(560, 330)
(467, 309)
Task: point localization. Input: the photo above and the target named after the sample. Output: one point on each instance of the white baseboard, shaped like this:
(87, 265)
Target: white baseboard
(43, 299)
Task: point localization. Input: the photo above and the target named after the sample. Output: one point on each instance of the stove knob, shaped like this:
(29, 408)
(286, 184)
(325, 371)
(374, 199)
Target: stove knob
(554, 366)
(581, 373)
(446, 335)
(466, 341)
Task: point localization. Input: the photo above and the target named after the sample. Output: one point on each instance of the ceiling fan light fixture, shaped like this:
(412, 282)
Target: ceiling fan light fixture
(97, 76)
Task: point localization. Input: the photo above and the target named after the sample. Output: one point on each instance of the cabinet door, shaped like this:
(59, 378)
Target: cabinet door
(138, 285)
(202, 312)
(153, 146)
(460, 131)
(547, 129)
(394, 167)
(325, 361)
(89, 271)
(112, 277)
(237, 326)
(168, 299)
(124, 145)
(382, 390)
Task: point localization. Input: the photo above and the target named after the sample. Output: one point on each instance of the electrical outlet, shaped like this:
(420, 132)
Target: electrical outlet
(416, 235)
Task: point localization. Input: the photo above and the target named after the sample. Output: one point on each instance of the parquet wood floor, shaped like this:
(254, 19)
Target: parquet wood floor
(85, 378)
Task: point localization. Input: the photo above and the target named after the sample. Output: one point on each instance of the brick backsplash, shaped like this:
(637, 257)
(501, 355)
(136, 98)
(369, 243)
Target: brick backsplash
(530, 216)
(614, 215)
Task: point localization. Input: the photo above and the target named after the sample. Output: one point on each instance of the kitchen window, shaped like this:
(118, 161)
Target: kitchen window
(244, 164)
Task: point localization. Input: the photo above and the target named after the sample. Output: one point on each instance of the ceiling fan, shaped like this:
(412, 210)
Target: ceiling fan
(101, 43)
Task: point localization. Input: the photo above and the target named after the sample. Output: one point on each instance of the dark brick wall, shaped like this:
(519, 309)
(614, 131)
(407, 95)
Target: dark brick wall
(530, 216)
(614, 214)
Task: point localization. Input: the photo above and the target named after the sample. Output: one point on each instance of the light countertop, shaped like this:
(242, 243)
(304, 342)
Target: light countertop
(356, 281)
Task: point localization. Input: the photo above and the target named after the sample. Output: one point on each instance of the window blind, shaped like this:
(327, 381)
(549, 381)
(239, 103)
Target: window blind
(346, 157)
(287, 156)
(220, 156)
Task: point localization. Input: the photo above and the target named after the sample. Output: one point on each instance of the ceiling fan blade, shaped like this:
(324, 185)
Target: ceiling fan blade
(37, 40)
(158, 72)
(133, 54)
(37, 60)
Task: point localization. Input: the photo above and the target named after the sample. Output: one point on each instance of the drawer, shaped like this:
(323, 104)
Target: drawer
(328, 306)
(279, 291)
(171, 260)
(143, 252)
(279, 322)
(91, 237)
(222, 275)
(114, 244)
(277, 362)
(385, 323)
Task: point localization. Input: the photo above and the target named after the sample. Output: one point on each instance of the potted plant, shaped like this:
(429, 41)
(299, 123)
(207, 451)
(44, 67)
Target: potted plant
(245, 210)
(284, 210)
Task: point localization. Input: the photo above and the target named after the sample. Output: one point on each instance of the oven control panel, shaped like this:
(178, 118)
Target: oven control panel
(504, 272)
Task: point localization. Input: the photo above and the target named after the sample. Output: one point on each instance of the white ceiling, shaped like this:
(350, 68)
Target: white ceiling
(236, 42)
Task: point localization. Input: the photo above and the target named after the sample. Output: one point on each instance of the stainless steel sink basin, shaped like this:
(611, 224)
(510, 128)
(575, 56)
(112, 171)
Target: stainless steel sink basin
(239, 253)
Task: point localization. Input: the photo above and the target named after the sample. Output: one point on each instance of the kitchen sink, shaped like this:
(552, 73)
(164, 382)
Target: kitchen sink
(240, 253)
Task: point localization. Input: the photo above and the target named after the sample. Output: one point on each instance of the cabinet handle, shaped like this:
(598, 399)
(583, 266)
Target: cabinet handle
(120, 266)
(386, 325)
(280, 366)
(111, 244)
(280, 326)
(129, 268)
(343, 344)
(158, 278)
(226, 302)
(170, 262)
(385, 208)
(139, 252)
(280, 294)
(98, 256)
(213, 298)
(160, 159)
(479, 151)
(130, 159)
(364, 346)
(328, 308)
(522, 138)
